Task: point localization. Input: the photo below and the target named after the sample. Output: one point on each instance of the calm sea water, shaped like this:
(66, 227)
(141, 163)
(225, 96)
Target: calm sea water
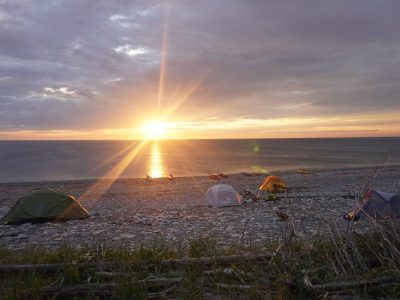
(66, 160)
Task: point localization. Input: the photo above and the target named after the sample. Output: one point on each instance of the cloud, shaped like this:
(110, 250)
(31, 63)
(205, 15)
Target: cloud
(100, 60)
(61, 90)
(131, 51)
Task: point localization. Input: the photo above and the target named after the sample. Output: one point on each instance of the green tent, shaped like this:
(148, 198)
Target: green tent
(45, 205)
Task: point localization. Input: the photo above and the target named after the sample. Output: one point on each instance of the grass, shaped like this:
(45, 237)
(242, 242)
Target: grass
(319, 268)
(332, 258)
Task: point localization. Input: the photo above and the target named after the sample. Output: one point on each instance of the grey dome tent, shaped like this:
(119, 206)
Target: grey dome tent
(376, 204)
(220, 195)
(45, 205)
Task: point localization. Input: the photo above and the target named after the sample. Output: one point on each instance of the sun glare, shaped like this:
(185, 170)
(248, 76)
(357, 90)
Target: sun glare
(155, 130)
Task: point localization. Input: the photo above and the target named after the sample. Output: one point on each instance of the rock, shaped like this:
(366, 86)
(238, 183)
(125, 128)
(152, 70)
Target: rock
(139, 213)
(128, 236)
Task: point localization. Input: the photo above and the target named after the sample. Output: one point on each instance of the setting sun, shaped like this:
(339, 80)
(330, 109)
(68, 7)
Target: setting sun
(154, 130)
(196, 126)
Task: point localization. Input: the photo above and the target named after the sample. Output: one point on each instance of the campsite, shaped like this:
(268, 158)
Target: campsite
(196, 150)
(135, 211)
(175, 215)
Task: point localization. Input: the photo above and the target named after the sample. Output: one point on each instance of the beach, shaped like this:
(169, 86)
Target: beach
(135, 212)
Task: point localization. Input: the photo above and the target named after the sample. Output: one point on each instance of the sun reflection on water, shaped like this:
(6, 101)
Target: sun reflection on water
(155, 165)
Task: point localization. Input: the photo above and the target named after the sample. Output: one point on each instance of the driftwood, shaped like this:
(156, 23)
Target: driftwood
(221, 260)
(99, 289)
(349, 285)
(161, 294)
(36, 267)
(53, 268)
(112, 274)
(242, 287)
(152, 282)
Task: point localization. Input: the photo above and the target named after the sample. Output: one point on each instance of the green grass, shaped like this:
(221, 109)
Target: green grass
(335, 257)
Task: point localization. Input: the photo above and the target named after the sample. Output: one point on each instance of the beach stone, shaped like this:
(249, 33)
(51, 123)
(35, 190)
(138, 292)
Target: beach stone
(128, 236)
(22, 236)
(135, 212)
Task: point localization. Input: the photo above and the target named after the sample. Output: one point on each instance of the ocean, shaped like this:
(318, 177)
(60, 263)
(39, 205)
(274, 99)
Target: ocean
(27, 161)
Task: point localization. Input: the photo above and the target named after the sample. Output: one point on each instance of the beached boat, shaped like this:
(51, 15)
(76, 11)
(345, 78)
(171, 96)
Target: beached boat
(246, 174)
(302, 171)
(213, 176)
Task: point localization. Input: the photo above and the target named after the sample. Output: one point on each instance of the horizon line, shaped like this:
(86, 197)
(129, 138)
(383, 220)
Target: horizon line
(197, 139)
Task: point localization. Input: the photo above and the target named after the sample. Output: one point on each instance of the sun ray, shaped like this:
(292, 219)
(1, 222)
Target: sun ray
(164, 51)
(108, 160)
(183, 96)
(94, 193)
(97, 190)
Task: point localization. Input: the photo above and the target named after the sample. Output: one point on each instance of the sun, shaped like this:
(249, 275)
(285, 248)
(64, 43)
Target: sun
(155, 130)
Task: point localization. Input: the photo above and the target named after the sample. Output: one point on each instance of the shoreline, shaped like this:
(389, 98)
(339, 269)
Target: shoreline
(134, 212)
(199, 176)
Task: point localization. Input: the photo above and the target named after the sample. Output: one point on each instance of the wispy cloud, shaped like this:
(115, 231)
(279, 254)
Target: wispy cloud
(273, 63)
(61, 90)
(130, 51)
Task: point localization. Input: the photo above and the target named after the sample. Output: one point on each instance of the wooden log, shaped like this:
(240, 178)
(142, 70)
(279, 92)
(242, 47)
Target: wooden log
(242, 287)
(162, 294)
(160, 281)
(30, 267)
(349, 285)
(53, 268)
(98, 289)
(111, 274)
(148, 282)
(222, 260)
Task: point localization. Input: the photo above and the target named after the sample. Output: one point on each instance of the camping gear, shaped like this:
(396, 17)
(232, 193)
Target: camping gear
(273, 184)
(249, 196)
(270, 197)
(220, 195)
(376, 204)
(45, 205)
(282, 216)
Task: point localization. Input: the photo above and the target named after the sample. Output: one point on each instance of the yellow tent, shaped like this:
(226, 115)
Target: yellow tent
(273, 184)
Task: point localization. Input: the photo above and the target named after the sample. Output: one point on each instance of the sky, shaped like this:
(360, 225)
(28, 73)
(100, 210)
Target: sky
(99, 69)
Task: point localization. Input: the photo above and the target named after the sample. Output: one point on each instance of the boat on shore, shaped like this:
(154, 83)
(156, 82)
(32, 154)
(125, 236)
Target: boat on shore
(213, 176)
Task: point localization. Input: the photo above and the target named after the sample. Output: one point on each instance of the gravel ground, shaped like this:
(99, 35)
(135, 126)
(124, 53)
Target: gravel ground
(134, 212)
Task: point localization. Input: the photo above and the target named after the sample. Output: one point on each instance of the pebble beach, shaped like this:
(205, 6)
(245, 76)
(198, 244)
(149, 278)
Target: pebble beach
(135, 212)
